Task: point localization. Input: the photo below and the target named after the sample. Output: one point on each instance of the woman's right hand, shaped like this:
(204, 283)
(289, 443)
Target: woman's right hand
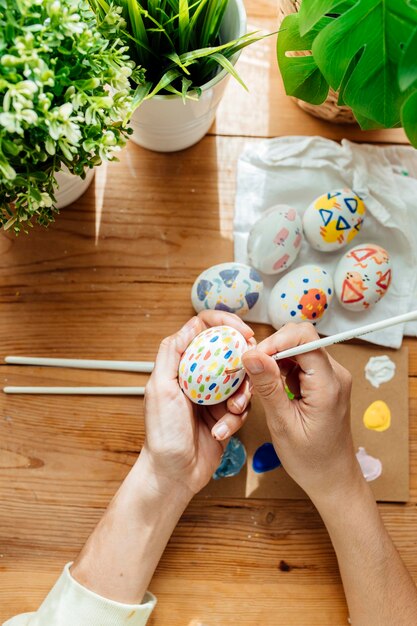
(311, 433)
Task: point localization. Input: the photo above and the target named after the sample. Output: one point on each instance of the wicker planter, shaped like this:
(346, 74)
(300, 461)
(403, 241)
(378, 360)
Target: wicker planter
(329, 110)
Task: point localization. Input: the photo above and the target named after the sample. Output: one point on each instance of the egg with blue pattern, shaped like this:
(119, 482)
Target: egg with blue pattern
(202, 371)
(302, 295)
(232, 287)
(333, 220)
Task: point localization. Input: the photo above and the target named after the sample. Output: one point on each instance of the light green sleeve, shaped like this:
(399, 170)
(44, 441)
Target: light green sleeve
(70, 604)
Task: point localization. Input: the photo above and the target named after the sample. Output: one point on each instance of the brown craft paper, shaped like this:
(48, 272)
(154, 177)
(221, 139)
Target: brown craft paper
(390, 446)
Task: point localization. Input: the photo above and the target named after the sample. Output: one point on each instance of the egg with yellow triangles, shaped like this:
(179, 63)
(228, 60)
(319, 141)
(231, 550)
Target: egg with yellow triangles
(334, 219)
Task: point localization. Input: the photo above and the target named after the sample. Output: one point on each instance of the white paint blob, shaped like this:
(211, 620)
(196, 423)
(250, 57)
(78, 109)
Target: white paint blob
(370, 466)
(379, 370)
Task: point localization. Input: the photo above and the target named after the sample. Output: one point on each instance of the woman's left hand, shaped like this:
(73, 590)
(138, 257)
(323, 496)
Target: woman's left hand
(184, 441)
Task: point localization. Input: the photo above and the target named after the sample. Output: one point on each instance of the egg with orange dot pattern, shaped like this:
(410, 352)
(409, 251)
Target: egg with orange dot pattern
(303, 295)
(202, 371)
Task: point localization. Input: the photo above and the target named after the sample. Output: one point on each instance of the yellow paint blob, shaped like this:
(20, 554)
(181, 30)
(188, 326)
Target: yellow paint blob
(377, 416)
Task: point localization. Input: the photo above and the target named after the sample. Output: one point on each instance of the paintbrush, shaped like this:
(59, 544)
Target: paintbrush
(344, 336)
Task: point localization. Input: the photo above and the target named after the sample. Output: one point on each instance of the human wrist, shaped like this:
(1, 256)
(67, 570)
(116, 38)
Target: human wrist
(158, 484)
(341, 492)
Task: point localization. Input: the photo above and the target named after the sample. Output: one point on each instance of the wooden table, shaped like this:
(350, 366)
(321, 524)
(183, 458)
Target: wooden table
(109, 279)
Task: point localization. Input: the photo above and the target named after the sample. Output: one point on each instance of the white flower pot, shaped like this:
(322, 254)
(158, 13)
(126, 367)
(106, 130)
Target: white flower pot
(166, 123)
(71, 187)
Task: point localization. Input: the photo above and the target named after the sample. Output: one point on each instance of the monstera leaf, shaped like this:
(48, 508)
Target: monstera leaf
(364, 49)
(407, 79)
(302, 78)
(312, 11)
(359, 53)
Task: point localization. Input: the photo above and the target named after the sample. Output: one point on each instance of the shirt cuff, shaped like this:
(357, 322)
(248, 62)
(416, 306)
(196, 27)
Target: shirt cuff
(70, 604)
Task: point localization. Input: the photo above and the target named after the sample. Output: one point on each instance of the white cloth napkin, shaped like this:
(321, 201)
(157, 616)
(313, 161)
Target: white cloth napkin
(296, 170)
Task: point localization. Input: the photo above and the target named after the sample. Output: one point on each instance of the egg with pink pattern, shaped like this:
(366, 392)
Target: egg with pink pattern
(202, 371)
(275, 240)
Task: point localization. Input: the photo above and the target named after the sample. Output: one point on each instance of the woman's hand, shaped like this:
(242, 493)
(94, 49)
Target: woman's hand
(311, 434)
(184, 442)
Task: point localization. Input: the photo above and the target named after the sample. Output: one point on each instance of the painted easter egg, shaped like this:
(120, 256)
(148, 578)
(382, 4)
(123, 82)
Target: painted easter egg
(302, 295)
(362, 277)
(202, 371)
(275, 240)
(232, 287)
(333, 220)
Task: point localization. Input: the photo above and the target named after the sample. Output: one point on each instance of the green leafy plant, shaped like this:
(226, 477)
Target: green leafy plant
(366, 50)
(177, 42)
(64, 93)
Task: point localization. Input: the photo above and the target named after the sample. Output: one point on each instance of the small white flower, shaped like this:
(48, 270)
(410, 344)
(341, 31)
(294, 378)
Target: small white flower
(65, 111)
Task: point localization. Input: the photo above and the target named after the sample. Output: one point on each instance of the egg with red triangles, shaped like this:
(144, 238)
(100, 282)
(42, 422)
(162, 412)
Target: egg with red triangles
(363, 276)
(202, 372)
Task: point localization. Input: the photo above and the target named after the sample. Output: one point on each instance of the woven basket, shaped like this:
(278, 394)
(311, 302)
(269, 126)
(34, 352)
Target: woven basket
(329, 110)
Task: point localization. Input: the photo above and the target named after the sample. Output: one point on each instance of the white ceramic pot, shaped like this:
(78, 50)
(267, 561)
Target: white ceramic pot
(166, 123)
(71, 187)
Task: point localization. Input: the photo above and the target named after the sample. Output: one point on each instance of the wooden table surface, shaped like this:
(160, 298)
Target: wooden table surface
(109, 279)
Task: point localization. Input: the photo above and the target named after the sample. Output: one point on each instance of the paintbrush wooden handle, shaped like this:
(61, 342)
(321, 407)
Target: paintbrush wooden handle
(79, 391)
(144, 367)
(344, 336)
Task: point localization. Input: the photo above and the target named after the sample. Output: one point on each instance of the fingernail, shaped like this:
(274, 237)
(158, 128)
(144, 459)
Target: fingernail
(239, 403)
(221, 431)
(254, 366)
(189, 325)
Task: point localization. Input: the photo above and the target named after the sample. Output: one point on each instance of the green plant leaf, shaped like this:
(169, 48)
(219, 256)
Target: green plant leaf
(226, 65)
(211, 25)
(185, 86)
(183, 25)
(244, 41)
(367, 124)
(138, 27)
(166, 80)
(301, 75)
(312, 11)
(359, 52)
(407, 68)
(409, 118)
(139, 95)
(173, 56)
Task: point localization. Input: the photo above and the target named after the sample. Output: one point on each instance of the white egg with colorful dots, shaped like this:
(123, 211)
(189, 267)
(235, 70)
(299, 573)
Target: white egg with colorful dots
(333, 220)
(202, 371)
(275, 240)
(302, 295)
(232, 287)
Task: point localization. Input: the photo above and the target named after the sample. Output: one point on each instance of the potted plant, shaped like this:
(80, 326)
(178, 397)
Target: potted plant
(58, 117)
(188, 49)
(364, 50)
